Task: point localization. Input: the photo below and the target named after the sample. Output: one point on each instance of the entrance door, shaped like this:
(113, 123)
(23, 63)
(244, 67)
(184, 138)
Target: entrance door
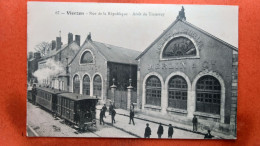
(121, 99)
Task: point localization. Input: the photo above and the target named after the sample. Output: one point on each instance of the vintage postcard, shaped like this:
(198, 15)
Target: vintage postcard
(132, 70)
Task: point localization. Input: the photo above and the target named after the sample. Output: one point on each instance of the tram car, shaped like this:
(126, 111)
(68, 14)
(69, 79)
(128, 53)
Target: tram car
(77, 109)
(47, 98)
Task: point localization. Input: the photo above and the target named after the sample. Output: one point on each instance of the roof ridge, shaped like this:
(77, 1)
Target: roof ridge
(191, 25)
(157, 39)
(210, 35)
(115, 46)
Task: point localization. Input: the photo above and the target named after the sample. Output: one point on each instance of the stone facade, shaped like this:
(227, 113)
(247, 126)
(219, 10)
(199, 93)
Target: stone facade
(213, 58)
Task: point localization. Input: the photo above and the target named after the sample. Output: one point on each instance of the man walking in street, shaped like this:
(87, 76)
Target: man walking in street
(113, 116)
(104, 108)
(132, 114)
(111, 107)
(170, 131)
(147, 131)
(101, 117)
(160, 131)
(195, 123)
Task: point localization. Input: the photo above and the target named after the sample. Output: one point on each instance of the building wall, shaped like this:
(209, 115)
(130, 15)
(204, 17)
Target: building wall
(99, 66)
(214, 59)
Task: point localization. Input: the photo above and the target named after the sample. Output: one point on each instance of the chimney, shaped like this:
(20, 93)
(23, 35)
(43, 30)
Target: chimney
(37, 55)
(53, 44)
(58, 41)
(70, 38)
(77, 39)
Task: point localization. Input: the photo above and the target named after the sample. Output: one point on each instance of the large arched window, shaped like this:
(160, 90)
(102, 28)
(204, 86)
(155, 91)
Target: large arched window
(76, 84)
(177, 93)
(86, 85)
(86, 57)
(179, 47)
(208, 95)
(153, 91)
(97, 86)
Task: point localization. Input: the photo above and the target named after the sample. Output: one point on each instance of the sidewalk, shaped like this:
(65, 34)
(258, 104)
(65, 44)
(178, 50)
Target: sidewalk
(179, 126)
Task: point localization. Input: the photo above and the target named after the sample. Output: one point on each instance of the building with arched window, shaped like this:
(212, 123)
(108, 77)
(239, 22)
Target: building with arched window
(99, 66)
(188, 72)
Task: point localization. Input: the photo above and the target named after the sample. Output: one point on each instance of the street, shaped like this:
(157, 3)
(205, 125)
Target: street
(44, 124)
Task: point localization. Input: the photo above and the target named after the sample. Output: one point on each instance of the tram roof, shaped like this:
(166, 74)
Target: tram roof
(50, 90)
(75, 96)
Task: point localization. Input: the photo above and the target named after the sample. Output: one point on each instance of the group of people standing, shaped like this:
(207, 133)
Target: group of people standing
(160, 131)
(148, 130)
(102, 114)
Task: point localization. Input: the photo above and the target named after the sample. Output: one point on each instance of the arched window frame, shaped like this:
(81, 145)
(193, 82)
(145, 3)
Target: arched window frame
(181, 57)
(182, 102)
(101, 84)
(211, 101)
(73, 87)
(83, 53)
(89, 84)
(155, 90)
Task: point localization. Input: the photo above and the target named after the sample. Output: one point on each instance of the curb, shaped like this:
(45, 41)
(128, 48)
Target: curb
(29, 128)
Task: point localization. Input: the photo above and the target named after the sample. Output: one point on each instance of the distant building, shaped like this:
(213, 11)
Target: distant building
(61, 55)
(32, 66)
(185, 72)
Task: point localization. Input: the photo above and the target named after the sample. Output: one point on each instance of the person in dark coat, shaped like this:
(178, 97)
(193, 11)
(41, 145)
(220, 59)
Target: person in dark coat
(34, 93)
(113, 116)
(111, 107)
(195, 123)
(132, 114)
(170, 131)
(208, 135)
(104, 108)
(101, 115)
(147, 132)
(160, 131)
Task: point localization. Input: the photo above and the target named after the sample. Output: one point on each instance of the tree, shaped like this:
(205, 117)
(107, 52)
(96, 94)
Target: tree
(42, 48)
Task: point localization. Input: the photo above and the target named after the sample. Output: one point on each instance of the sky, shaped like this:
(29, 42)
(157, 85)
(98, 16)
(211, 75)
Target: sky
(137, 32)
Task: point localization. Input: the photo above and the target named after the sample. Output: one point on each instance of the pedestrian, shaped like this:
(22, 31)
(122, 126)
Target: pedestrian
(195, 123)
(208, 135)
(101, 115)
(113, 116)
(160, 130)
(147, 132)
(104, 108)
(111, 107)
(132, 114)
(170, 131)
(132, 106)
(34, 93)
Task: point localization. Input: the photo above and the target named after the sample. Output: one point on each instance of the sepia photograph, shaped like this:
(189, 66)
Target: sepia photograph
(132, 70)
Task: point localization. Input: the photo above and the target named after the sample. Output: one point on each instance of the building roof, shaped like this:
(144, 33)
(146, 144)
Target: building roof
(113, 53)
(190, 25)
(117, 54)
